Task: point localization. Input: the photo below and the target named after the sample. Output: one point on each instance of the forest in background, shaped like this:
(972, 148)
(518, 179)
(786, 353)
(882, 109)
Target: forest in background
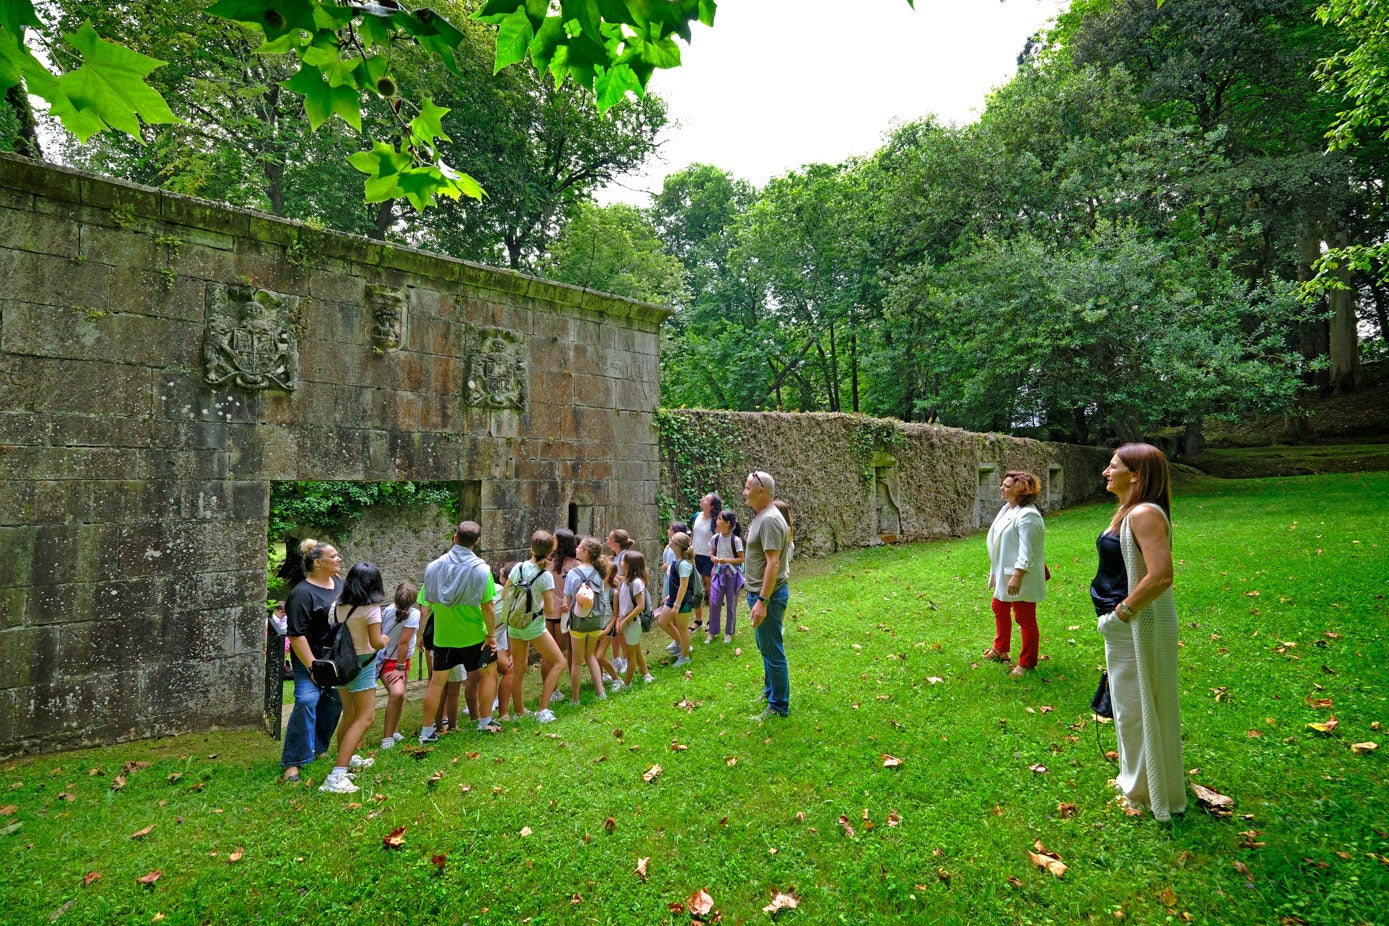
(1121, 243)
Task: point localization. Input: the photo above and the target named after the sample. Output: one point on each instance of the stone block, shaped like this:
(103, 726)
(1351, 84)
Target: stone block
(341, 285)
(23, 428)
(86, 332)
(199, 636)
(206, 260)
(593, 391)
(40, 178)
(198, 213)
(59, 604)
(13, 604)
(46, 385)
(40, 233)
(126, 201)
(90, 431)
(20, 546)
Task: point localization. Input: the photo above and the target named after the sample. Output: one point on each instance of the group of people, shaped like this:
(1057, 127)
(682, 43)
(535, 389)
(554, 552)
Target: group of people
(1132, 594)
(580, 602)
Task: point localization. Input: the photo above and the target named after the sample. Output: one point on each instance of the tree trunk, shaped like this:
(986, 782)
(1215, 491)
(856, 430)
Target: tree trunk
(1314, 338)
(853, 368)
(1346, 375)
(1193, 439)
(383, 220)
(1381, 311)
(26, 143)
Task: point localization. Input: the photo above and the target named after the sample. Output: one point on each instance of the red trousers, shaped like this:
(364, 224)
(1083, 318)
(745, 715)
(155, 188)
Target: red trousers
(1026, 615)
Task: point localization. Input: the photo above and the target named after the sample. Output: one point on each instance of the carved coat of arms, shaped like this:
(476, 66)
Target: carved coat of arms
(248, 341)
(389, 309)
(496, 369)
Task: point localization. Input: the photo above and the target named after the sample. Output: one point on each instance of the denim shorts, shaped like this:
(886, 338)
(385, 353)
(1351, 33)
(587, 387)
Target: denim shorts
(366, 674)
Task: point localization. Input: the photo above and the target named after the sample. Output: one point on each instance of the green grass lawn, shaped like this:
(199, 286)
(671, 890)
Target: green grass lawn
(1281, 588)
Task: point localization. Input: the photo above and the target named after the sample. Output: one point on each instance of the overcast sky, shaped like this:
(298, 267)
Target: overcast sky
(780, 83)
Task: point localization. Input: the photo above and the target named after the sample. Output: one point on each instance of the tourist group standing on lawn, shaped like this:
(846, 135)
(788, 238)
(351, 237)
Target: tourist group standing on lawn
(584, 604)
(580, 602)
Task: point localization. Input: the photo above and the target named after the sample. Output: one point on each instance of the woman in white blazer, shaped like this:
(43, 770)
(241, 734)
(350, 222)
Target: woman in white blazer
(1017, 569)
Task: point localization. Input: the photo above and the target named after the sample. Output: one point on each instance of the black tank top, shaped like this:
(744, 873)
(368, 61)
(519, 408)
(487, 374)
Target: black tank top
(1111, 583)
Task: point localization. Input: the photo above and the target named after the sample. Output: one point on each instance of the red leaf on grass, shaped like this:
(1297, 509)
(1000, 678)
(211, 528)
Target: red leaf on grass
(151, 877)
(1065, 811)
(848, 827)
(90, 878)
(395, 839)
(610, 824)
(439, 861)
(1327, 728)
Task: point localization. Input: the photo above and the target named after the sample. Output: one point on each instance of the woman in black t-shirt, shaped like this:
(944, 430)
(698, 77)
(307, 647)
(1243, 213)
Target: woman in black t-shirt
(316, 710)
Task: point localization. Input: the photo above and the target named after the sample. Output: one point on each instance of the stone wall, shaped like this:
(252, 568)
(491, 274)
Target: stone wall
(163, 360)
(854, 481)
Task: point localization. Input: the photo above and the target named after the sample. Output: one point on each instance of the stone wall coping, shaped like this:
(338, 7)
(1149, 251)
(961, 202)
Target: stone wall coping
(83, 188)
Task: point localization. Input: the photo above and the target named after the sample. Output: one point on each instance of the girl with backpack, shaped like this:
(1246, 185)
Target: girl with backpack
(632, 602)
(619, 542)
(534, 576)
(588, 604)
(360, 608)
(680, 595)
(728, 577)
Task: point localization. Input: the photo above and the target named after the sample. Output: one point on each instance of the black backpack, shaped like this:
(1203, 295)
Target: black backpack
(338, 665)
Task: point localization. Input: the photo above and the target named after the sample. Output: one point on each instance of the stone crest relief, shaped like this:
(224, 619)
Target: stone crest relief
(249, 341)
(495, 369)
(389, 313)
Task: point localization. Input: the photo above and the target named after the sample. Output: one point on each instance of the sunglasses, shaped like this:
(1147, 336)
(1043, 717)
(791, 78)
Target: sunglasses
(760, 483)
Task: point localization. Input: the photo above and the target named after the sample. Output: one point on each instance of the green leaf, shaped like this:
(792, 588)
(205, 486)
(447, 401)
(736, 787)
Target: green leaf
(549, 37)
(110, 87)
(586, 14)
(276, 18)
(513, 38)
(15, 15)
(322, 100)
(427, 125)
(611, 86)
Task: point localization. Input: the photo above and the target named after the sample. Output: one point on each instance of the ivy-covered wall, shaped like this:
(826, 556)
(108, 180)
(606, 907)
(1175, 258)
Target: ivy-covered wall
(855, 481)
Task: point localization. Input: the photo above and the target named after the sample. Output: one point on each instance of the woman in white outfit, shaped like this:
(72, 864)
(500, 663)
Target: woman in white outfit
(1017, 570)
(1138, 618)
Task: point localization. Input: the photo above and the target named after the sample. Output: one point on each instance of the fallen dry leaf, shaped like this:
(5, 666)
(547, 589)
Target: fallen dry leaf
(618, 733)
(934, 679)
(1221, 693)
(118, 782)
(848, 826)
(610, 824)
(236, 856)
(1038, 769)
(1327, 728)
(1015, 881)
(435, 778)
(576, 900)
(1360, 748)
(782, 900)
(1250, 839)
(677, 746)
(395, 839)
(731, 761)
(891, 761)
(150, 877)
(91, 877)
(8, 810)
(1243, 869)
(641, 867)
(699, 903)
(1046, 708)
(526, 831)
(737, 651)
(675, 907)
(1213, 801)
(1065, 811)
(1168, 897)
(144, 832)
(439, 861)
(1047, 860)
(943, 875)
(651, 774)
(894, 818)
(1318, 704)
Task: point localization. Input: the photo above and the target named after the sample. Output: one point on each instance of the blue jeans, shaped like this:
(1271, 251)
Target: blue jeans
(776, 680)
(313, 720)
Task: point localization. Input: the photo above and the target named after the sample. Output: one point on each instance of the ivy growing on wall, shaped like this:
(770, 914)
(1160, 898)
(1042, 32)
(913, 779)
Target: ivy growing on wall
(871, 435)
(696, 452)
(330, 506)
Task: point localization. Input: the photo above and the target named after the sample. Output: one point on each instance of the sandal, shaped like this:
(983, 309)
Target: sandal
(994, 655)
(1019, 671)
(492, 727)
(290, 779)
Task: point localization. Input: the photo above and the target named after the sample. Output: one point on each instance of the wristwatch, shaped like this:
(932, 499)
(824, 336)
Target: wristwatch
(1123, 612)
(763, 598)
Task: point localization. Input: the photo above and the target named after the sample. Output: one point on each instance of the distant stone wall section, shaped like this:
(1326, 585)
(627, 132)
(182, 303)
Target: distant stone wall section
(844, 483)
(164, 359)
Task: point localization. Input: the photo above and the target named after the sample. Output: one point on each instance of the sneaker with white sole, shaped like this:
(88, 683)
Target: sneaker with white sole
(338, 784)
(388, 743)
(674, 647)
(545, 716)
(620, 664)
(616, 685)
(682, 661)
(728, 638)
(431, 737)
(648, 678)
(358, 762)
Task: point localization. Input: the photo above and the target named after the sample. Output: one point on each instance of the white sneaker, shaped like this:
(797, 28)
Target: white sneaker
(620, 664)
(607, 679)
(616, 685)
(682, 661)
(545, 716)
(602, 696)
(505, 718)
(388, 743)
(358, 762)
(340, 784)
(674, 647)
(728, 638)
(648, 679)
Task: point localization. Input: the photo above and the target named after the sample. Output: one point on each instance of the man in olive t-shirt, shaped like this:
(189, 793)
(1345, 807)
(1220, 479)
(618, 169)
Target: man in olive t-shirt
(766, 569)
